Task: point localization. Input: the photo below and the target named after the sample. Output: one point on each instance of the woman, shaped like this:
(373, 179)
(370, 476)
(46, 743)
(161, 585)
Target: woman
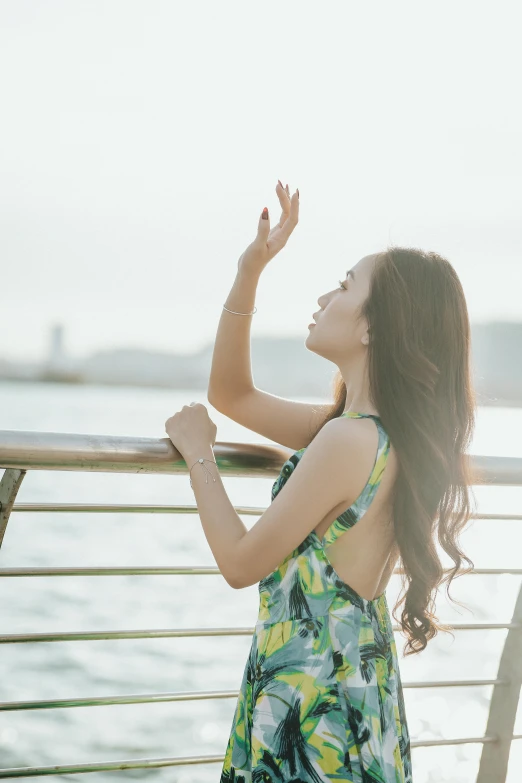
(321, 696)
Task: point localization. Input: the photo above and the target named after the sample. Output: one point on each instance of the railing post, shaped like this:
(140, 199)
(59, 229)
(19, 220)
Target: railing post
(9, 486)
(504, 704)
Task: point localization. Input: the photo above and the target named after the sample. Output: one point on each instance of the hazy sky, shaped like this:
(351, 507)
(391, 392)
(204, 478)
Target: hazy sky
(139, 142)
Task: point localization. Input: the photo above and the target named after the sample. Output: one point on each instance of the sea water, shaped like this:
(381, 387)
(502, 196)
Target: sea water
(68, 670)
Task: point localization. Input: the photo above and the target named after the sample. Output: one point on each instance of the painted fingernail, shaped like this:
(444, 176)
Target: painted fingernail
(264, 214)
(280, 183)
(297, 192)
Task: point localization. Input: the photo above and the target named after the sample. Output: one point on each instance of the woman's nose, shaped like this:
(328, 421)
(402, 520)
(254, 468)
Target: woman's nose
(323, 300)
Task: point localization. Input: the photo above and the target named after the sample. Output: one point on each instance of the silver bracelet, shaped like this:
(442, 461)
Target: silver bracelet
(233, 311)
(202, 460)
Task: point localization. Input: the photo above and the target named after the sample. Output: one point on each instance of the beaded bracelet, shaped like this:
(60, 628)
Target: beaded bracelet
(202, 460)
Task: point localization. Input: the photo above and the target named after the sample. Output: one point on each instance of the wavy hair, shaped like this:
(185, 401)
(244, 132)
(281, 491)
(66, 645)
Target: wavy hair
(420, 378)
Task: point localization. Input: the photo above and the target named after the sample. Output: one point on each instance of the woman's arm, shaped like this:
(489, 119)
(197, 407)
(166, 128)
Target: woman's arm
(333, 469)
(230, 373)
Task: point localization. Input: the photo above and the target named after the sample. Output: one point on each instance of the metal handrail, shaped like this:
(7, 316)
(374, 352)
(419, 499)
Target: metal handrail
(21, 451)
(28, 450)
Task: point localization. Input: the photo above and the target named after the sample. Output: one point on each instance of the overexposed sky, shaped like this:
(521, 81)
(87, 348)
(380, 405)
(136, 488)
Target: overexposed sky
(140, 140)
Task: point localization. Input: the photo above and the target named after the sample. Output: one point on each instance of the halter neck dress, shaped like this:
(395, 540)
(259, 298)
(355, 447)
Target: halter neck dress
(321, 696)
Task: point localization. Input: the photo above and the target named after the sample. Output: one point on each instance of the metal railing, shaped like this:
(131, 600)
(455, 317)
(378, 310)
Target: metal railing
(22, 451)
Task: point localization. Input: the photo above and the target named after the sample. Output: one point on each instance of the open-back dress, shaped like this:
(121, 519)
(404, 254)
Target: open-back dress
(321, 696)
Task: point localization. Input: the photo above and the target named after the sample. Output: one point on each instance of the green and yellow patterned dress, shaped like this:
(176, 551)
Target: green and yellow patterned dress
(321, 696)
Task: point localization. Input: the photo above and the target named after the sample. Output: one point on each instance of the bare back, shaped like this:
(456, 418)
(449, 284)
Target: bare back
(364, 556)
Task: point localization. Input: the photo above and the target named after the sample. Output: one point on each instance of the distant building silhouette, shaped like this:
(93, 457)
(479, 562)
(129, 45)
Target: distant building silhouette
(281, 366)
(56, 358)
(58, 365)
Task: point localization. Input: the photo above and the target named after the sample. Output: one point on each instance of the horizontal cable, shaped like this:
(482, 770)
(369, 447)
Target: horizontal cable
(456, 741)
(145, 508)
(185, 760)
(102, 701)
(151, 698)
(190, 632)
(64, 769)
(454, 683)
(176, 570)
(110, 508)
(146, 634)
(111, 571)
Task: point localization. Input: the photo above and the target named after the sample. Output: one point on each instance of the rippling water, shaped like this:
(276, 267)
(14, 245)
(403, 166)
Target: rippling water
(64, 670)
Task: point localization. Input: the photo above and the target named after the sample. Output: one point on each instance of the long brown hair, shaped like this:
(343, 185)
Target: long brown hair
(420, 378)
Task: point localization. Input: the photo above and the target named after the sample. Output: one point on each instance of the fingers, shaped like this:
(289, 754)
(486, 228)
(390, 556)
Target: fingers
(278, 236)
(284, 198)
(283, 194)
(263, 226)
(281, 188)
(291, 221)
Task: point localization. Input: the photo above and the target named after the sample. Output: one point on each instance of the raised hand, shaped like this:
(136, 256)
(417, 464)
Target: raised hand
(269, 242)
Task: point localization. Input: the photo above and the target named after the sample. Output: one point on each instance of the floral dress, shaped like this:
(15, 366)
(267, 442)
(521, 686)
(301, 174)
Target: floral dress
(321, 696)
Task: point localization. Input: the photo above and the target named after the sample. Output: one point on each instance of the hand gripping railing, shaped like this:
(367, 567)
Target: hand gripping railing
(22, 451)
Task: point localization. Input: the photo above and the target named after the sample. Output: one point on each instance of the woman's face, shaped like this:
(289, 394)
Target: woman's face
(337, 334)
